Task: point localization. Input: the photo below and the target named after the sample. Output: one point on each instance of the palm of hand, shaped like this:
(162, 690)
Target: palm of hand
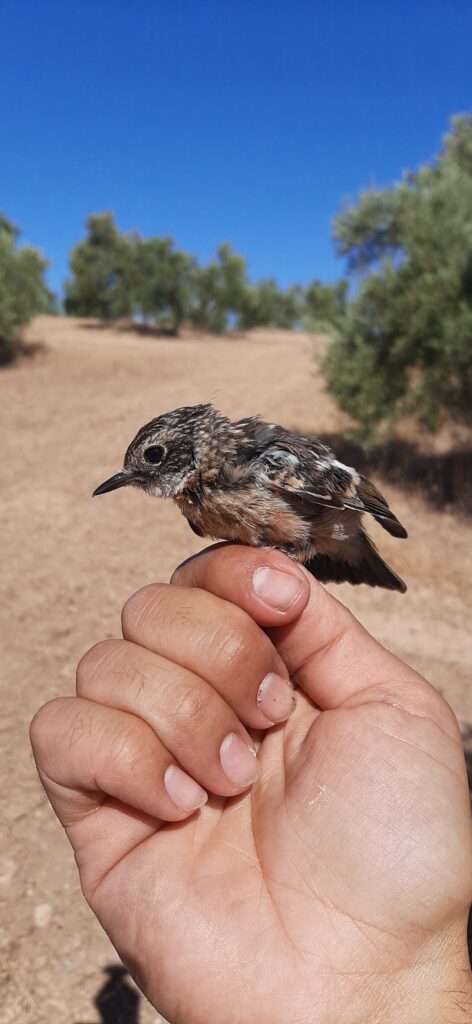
(331, 873)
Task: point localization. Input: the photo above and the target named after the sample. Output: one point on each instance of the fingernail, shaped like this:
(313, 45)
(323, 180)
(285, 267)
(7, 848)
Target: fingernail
(184, 792)
(276, 698)
(277, 589)
(238, 761)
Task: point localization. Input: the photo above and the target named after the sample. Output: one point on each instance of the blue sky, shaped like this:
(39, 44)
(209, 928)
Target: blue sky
(211, 120)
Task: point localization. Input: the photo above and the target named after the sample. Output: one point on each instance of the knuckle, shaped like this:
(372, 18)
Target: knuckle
(192, 705)
(232, 644)
(126, 746)
(93, 661)
(141, 607)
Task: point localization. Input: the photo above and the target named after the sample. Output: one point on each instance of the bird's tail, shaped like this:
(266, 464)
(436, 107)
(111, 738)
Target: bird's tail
(362, 564)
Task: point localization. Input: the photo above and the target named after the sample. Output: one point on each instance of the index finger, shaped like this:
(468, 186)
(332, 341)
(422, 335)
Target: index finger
(326, 650)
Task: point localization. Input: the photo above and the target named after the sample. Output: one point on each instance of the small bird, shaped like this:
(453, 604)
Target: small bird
(256, 483)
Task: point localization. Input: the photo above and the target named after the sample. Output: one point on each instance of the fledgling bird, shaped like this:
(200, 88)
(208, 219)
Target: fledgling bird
(256, 483)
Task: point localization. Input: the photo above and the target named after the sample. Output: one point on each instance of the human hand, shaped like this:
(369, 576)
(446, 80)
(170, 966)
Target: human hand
(336, 888)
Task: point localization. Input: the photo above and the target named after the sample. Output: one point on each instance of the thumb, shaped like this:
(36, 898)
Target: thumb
(328, 653)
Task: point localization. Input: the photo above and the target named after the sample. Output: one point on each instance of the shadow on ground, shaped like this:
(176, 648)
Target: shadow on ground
(443, 479)
(21, 350)
(141, 330)
(467, 739)
(160, 331)
(149, 330)
(117, 1002)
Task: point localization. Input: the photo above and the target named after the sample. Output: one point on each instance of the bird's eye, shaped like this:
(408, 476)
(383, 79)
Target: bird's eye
(154, 454)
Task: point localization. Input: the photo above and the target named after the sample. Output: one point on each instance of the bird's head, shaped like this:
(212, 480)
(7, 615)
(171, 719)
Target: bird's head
(168, 452)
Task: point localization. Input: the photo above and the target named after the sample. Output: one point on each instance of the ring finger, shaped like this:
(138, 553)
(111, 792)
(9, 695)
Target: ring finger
(86, 752)
(195, 725)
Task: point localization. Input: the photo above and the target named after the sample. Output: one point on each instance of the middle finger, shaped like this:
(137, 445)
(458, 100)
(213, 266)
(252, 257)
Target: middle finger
(219, 642)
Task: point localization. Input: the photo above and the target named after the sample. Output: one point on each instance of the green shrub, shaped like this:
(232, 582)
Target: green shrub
(405, 343)
(23, 292)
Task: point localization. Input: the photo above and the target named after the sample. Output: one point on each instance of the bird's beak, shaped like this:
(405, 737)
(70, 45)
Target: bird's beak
(118, 480)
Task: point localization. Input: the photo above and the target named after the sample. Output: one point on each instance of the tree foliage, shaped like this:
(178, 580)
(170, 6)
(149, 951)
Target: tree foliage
(405, 343)
(325, 305)
(162, 282)
(115, 275)
(23, 292)
(219, 291)
(101, 266)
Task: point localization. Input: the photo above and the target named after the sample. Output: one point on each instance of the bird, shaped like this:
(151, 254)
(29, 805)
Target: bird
(256, 483)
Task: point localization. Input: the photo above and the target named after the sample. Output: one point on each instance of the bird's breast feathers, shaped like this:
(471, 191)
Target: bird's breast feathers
(249, 513)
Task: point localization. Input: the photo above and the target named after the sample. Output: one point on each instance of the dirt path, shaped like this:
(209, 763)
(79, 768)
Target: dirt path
(68, 564)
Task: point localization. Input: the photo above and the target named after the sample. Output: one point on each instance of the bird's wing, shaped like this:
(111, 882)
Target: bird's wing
(303, 469)
(377, 506)
(307, 473)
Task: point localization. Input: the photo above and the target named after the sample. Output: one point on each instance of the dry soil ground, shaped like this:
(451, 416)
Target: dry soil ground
(68, 564)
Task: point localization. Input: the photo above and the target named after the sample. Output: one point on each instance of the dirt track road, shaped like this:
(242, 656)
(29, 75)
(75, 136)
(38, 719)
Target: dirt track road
(68, 564)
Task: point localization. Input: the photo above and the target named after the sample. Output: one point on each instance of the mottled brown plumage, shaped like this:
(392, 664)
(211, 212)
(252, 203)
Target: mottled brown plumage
(256, 483)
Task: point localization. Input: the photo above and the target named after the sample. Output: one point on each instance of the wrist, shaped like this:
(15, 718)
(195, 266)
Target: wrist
(436, 992)
(436, 989)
